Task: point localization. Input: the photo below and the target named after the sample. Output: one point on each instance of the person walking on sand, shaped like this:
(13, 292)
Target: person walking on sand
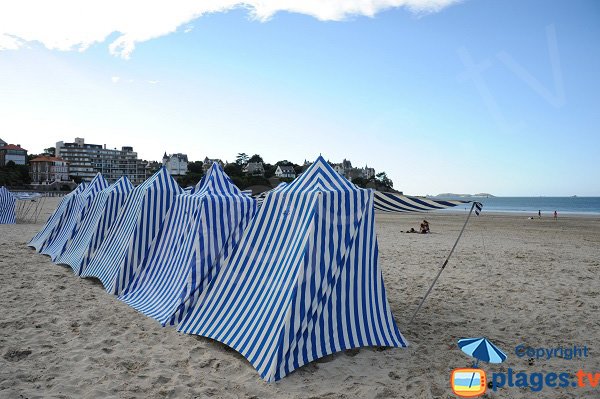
(540, 213)
(555, 215)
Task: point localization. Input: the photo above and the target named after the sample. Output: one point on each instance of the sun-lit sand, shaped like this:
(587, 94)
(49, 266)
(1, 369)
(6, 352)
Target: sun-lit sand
(511, 279)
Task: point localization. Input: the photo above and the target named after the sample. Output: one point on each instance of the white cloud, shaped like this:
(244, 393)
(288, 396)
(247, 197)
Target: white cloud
(153, 82)
(115, 79)
(76, 25)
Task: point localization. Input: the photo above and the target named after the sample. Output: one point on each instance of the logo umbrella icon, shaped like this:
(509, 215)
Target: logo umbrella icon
(481, 349)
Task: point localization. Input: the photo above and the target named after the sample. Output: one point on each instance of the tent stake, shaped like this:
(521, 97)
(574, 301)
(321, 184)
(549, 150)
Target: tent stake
(443, 266)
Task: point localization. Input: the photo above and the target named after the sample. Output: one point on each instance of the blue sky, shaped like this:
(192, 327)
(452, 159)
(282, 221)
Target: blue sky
(396, 91)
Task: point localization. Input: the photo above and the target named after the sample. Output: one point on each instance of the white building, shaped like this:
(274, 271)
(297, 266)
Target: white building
(85, 160)
(176, 164)
(368, 172)
(285, 172)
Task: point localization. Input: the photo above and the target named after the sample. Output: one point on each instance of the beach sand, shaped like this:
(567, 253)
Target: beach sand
(512, 280)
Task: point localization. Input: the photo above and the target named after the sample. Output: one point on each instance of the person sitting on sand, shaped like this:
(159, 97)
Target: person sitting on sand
(425, 227)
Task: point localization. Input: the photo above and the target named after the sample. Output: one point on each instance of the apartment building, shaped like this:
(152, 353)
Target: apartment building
(85, 160)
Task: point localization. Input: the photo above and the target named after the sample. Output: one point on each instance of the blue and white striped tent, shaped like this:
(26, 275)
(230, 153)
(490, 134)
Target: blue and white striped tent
(304, 281)
(124, 247)
(394, 202)
(69, 223)
(198, 230)
(7, 207)
(96, 223)
(64, 205)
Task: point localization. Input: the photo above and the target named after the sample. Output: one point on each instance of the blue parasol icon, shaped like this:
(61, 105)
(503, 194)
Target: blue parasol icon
(481, 349)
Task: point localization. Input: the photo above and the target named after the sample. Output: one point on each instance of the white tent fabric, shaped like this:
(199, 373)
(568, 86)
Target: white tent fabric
(304, 281)
(198, 230)
(61, 211)
(94, 226)
(124, 247)
(69, 223)
(7, 207)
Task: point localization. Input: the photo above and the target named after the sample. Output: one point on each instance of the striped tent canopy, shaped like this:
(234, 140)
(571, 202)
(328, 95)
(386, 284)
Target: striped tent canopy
(125, 245)
(7, 207)
(304, 281)
(94, 226)
(69, 223)
(393, 202)
(55, 219)
(198, 229)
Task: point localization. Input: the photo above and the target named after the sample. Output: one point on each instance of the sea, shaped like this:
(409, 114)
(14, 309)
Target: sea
(531, 205)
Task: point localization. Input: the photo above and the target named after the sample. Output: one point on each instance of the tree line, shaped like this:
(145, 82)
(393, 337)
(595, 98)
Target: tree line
(235, 171)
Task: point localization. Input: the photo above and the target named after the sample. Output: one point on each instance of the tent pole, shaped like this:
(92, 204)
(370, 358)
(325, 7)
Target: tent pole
(443, 266)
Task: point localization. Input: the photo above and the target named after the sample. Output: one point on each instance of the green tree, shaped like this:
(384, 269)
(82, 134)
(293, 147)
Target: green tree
(361, 182)
(242, 158)
(269, 170)
(256, 158)
(193, 175)
(246, 181)
(14, 175)
(196, 167)
(233, 169)
(285, 162)
(50, 151)
(382, 178)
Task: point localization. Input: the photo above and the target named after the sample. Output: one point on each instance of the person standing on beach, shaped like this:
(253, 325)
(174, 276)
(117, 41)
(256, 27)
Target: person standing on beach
(540, 214)
(555, 215)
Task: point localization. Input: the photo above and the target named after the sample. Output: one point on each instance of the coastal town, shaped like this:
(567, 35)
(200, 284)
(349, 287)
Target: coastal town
(63, 166)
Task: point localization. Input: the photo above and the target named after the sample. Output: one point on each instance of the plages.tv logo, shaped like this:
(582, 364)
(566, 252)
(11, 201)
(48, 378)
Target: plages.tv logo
(468, 383)
(472, 382)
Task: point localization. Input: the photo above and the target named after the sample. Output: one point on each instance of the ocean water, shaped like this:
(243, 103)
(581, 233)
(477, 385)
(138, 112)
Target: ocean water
(531, 205)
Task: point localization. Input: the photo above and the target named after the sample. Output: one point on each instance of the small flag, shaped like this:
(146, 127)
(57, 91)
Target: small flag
(478, 207)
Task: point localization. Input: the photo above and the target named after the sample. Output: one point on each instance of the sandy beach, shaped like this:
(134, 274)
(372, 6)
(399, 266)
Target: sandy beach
(513, 280)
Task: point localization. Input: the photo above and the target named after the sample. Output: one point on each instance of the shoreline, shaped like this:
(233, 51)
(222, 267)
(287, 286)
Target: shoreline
(563, 215)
